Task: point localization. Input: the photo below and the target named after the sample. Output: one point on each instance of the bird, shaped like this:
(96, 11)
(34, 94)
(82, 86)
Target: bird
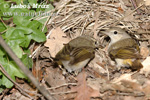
(77, 53)
(123, 49)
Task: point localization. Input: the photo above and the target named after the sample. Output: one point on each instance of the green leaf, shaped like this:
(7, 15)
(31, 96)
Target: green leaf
(21, 21)
(2, 27)
(4, 6)
(17, 1)
(1, 0)
(37, 25)
(15, 47)
(38, 36)
(1, 89)
(23, 12)
(50, 8)
(25, 29)
(13, 70)
(9, 32)
(6, 82)
(35, 34)
(31, 2)
(43, 20)
(15, 34)
(51, 0)
(15, 38)
(34, 24)
(2, 51)
(17, 71)
(3, 60)
(0, 76)
(26, 41)
(0, 79)
(41, 27)
(25, 2)
(27, 61)
(21, 35)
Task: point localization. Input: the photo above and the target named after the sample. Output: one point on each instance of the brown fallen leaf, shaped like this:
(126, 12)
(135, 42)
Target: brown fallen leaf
(144, 51)
(146, 88)
(129, 17)
(147, 2)
(84, 92)
(125, 83)
(145, 25)
(146, 66)
(118, 80)
(97, 65)
(55, 41)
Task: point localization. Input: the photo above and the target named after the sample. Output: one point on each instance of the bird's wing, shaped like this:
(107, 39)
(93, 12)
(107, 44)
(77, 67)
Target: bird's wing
(125, 53)
(81, 54)
(64, 53)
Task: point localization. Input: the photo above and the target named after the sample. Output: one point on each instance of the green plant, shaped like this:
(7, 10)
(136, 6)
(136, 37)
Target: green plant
(19, 35)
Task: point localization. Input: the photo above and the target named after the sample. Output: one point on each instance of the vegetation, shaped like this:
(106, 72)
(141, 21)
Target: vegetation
(18, 27)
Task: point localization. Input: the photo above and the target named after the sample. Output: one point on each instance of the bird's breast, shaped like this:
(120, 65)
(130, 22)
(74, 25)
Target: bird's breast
(76, 66)
(124, 62)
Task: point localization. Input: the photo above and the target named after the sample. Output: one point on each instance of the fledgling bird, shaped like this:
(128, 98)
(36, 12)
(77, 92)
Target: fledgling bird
(77, 53)
(123, 49)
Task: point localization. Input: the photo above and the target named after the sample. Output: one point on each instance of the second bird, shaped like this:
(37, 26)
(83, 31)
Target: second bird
(123, 49)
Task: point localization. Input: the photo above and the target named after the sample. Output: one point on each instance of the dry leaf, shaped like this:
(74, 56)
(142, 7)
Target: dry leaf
(84, 92)
(144, 51)
(125, 83)
(146, 66)
(54, 78)
(131, 98)
(55, 41)
(94, 64)
(122, 77)
(95, 83)
(145, 25)
(129, 17)
(147, 2)
(134, 85)
(146, 88)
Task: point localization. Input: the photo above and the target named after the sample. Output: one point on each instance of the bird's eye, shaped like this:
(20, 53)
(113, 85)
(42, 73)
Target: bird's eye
(115, 32)
(96, 43)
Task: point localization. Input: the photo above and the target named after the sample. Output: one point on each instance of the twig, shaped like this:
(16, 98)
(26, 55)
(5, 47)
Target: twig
(134, 5)
(127, 15)
(3, 22)
(83, 27)
(25, 70)
(34, 52)
(96, 22)
(103, 4)
(64, 92)
(46, 23)
(140, 94)
(62, 85)
(16, 84)
(114, 22)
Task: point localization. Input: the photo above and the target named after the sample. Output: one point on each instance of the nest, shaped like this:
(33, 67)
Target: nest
(89, 16)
